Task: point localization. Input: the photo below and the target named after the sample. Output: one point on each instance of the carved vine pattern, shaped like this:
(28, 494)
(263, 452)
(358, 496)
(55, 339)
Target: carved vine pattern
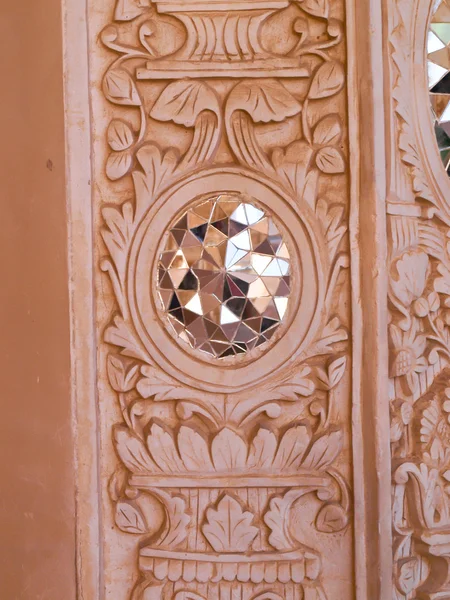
(236, 434)
(419, 338)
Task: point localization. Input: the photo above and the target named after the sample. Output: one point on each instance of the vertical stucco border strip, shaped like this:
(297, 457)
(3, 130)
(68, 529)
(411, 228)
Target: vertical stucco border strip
(80, 258)
(370, 413)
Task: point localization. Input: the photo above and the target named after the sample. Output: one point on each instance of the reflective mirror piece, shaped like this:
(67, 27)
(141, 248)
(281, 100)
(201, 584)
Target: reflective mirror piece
(224, 276)
(438, 49)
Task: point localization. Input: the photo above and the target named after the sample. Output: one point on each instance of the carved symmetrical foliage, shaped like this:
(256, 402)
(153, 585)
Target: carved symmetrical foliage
(218, 459)
(419, 329)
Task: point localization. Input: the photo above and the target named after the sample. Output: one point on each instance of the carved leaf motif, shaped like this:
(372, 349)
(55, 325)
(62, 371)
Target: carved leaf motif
(324, 451)
(163, 450)
(409, 273)
(330, 160)
(120, 136)
(292, 164)
(331, 219)
(121, 334)
(429, 422)
(262, 450)
(158, 168)
(409, 574)
(317, 8)
(328, 131)
(292, 448)
(194, 450)
(118, 164)
(331, 518)
(299, 385)
(331, 334)
(120, 377)
(434, 301)
(158, 385)
(117, 234)
(175, 529)
(228, 450)
(228, 527)
(277, 519)
(442, 284)
(133, 452)
(129, 518)
(336, 371)
(264, 101)
(182, 102)
(327, 81)
(119, 88)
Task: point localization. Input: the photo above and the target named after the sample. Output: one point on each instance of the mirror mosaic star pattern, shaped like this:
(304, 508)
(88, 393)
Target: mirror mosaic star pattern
(224, 276)
(438, 49)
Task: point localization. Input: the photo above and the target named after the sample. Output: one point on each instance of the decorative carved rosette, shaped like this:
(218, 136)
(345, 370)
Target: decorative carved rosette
(216, 457)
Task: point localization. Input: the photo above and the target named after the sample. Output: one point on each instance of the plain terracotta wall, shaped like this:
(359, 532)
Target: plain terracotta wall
(37, 511)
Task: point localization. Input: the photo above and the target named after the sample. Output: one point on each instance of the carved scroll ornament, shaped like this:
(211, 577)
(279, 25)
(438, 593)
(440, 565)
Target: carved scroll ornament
(215, 457)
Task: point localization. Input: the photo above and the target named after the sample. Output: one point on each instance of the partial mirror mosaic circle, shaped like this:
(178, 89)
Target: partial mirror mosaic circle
(438, 51)
(224, 276)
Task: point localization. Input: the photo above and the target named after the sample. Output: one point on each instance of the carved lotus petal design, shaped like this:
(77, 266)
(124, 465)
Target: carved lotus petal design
(224, 277)
(228, 453)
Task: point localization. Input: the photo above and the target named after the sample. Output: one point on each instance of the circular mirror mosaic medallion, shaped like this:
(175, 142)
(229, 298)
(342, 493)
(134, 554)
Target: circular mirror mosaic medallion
(224, 276)
(438, 51)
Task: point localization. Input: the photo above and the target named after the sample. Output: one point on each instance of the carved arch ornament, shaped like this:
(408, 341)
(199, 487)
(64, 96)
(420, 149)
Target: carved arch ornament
(242, 479)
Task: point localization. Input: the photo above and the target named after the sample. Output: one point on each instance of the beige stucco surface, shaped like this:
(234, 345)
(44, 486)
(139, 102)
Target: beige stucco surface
(37, 517)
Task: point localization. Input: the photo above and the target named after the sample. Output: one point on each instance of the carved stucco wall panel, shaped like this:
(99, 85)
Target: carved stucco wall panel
(261, 475)
(418, 219)
(165, 131)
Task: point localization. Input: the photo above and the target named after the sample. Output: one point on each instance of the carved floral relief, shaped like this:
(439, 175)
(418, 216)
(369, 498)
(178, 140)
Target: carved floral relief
(419, 301)
(232, 476)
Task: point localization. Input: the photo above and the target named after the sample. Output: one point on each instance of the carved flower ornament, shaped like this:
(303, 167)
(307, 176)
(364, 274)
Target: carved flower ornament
(409, 276)
(407, 359)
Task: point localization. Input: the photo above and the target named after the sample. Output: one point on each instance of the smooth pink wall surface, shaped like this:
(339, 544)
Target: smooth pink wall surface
(37, 509)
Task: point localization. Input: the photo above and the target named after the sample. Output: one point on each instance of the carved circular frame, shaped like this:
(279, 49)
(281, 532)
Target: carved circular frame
(303, 317)
(432, 166)
(296, 285)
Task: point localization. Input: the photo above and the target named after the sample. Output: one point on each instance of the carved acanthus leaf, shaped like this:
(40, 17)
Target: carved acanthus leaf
(157, 168)
(229, 528)
(324, 451)
(277, 519)
(229, 451)
(133, 452)
(159, 386)
(122, 334)
(194, 450)
(175, 528)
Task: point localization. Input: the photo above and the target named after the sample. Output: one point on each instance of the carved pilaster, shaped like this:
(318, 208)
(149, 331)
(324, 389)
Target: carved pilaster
(220, 462)
(419, 299)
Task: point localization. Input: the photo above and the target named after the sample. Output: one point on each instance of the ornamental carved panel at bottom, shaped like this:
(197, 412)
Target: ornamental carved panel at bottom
(223, 299)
